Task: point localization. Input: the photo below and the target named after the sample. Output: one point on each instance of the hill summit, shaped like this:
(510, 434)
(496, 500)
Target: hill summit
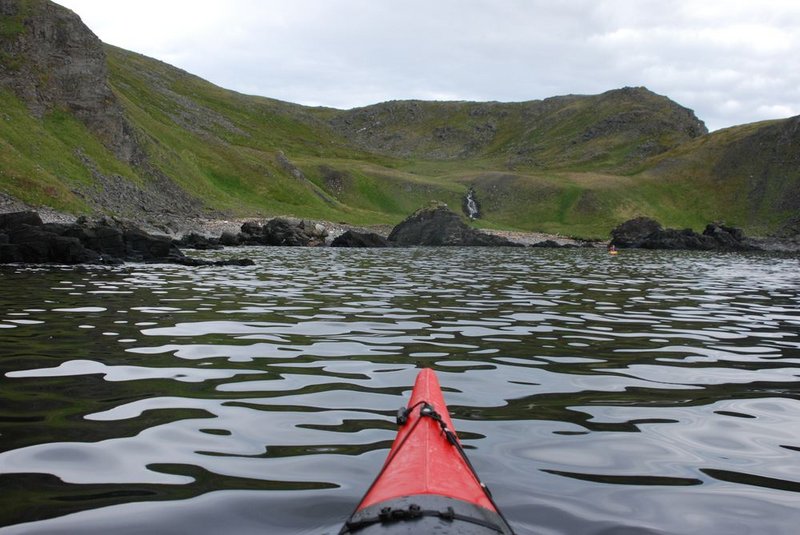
(556, 132)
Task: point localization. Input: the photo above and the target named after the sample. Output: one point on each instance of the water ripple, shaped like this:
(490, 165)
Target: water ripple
(594, 394)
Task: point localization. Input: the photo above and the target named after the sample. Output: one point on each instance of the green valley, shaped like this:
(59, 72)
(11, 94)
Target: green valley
(164, 143)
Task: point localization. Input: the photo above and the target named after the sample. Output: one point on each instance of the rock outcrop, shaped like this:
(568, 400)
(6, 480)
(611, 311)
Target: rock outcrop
(280, 231)
(438, 225)
(197, 241)
(353, 238)
(54, 64)
(51, 60)
(274, 232)
(24, 238)
(634, 232)
(647, 233)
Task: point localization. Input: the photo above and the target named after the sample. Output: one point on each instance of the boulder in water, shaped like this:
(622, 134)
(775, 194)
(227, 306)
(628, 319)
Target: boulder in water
(352, 238)
(280, 231)
(438, 225)
(646, 233)
(197, 241)
(634, 232)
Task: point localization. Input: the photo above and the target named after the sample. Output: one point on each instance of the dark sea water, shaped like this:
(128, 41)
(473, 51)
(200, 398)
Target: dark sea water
(653, 392)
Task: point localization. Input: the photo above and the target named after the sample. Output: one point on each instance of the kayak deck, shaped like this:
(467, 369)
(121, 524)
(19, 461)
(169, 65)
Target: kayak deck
(427, 483)
(427, 513)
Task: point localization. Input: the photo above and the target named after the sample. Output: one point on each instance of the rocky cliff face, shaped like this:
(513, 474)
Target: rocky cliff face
(51, 60)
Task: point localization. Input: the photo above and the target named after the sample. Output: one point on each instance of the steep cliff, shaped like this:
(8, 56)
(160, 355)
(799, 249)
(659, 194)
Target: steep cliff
(51, 60)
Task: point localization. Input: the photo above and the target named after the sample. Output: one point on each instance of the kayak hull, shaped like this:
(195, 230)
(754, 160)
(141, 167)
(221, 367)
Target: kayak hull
(427, 484)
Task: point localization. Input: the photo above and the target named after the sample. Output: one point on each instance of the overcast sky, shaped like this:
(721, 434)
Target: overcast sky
(731, 61)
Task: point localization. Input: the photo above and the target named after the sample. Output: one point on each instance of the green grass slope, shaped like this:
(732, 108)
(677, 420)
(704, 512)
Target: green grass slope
(251, 155)
(572, 165)
(614, 130)
(747, 175)
(42, 161)
(575, 165)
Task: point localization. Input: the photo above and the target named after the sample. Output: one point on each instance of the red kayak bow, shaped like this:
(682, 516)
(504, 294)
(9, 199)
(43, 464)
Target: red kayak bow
(427, 483)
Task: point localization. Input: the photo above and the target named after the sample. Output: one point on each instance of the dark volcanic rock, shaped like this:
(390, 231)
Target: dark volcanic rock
(143, 247)
(198, 241)
(438, 225)
(281, 231)
(726, 236)
(37, 245)
(671, 238)
(547, 244)
(25, 239)
(352, 238)
(116, 240)
(15, 219)
(633, 232)
(646, 233)
(229, 239)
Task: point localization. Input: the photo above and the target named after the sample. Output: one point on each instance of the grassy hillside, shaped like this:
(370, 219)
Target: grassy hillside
(248, 155)
(614, 130)
(748, 175)
(575, 165)
(42, 160)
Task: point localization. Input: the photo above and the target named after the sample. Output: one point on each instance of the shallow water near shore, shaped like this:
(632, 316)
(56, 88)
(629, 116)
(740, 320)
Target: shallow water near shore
(652, 392)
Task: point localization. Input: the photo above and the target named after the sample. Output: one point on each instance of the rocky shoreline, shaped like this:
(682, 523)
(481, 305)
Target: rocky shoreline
(25, 238)
(216, 227)
(647, 233)
(48, 236)
(177, 227)
(211, 227)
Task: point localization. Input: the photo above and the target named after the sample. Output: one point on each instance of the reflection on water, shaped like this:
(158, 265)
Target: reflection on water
(651, 391)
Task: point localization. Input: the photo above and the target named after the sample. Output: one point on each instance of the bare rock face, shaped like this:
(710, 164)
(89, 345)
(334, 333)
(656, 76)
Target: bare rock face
(51, 60)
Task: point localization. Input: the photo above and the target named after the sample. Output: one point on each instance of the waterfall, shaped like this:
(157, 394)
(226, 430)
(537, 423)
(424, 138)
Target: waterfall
(472, 206)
